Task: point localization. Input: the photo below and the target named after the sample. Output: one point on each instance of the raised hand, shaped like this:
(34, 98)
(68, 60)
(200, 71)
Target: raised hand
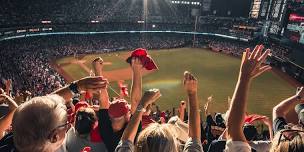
(3, 98)
(8, 83)
(190, 86)
(12, 104)
(136, 64)
(2, 91)
(93, 84)
(149, 97)
(190, 83)
(206, 106)
(266, 121)
(97, 66)
(251, 66)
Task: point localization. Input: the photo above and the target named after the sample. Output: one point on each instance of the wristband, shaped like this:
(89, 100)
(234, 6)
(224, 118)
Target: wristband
(140, 108)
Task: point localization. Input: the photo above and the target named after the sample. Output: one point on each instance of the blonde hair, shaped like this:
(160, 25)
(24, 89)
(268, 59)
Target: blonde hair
(156, 138)
(34, 120)
(180, 128)
(296, 144)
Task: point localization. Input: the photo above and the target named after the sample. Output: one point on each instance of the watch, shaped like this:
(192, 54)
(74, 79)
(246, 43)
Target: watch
(140, 108)
(74, 88)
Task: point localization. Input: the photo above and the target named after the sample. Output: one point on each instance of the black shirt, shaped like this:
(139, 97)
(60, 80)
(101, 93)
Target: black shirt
(209, 123)
(7, 143)
(279, 123)
(110, 138)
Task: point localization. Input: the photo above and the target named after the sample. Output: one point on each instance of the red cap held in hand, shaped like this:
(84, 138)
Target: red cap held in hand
(118, 108)
(145, 59)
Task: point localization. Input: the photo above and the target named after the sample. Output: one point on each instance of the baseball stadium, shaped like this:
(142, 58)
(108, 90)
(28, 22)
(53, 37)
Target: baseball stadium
(152, 75)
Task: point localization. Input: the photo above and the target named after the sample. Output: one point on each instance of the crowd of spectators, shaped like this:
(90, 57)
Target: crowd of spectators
(27, 61)
(13, 14)
(114, 125)
(72, 123)
(235, 47)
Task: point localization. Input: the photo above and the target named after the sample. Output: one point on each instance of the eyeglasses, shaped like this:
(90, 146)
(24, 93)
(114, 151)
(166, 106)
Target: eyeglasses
(65, 126)
(289, 134)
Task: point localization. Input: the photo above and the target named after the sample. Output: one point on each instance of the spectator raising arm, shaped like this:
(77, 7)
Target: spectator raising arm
(281, 110)
(149, 97)
(207, 105)
(136, 89)
(6, 121)
(104, 102)
(181, 110)
(268, 123)
(8, 85)
(85, 84)
(251, 67)
(190, 85)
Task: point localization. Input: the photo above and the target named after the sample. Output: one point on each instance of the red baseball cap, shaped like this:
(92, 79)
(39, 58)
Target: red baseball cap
(145, 59)
(80, 105)
(118, 108)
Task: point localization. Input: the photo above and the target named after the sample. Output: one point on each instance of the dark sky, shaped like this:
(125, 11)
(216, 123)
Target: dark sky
(238, 8)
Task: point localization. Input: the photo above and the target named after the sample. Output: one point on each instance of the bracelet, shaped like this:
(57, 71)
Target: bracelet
(140, 108)
(74, 88)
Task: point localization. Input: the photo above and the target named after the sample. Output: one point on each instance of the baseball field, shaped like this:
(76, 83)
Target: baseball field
(217, 75)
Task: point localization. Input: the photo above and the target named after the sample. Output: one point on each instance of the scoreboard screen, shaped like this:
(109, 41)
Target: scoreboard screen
(295, 26)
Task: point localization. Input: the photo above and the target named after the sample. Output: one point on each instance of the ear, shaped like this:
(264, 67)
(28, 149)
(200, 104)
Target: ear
(54, 137)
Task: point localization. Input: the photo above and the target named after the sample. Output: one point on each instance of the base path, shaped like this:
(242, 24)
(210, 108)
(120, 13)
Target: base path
(60, 71)
(122, 74)
(114, 75)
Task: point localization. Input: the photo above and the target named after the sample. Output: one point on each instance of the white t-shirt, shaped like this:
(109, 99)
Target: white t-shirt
(74, 143)
(237, 146)
(261, 146)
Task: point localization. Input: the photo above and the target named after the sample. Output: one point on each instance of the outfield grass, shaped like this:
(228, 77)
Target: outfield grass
(75, 71)
(117, 57)
(217, 74)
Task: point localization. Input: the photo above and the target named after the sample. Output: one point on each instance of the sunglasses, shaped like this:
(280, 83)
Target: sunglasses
(289, 134)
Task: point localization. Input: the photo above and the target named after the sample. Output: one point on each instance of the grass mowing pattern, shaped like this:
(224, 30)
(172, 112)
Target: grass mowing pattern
(217, 75)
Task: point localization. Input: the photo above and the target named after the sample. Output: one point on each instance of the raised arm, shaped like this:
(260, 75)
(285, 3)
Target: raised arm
(251, 67)
(206, 106)
(288, 104)
(8, 85)
(190, 85)
(181, 110)
(104, 102)
(268, 123)
(148, 98)
(6, 121)
(136, 89)
(85, 84)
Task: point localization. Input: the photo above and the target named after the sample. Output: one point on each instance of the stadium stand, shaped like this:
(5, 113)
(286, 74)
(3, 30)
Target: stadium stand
(42, 112)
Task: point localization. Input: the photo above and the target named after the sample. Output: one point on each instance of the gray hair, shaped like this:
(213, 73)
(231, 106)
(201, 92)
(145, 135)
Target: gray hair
(34, 120)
